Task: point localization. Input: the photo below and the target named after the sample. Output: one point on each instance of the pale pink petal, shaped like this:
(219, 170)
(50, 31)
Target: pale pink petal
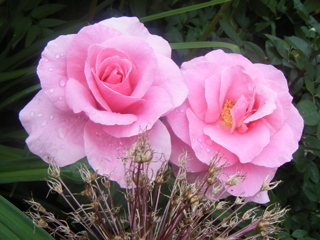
(52, 70)
(204, 148)
(169, 78)
(132, 26)
(265, 103)
(104, 151)
(146, 113)
(54, 135)
(295, 122)
(272, 74)
(143, 58)
(280, 149)
(85, 103)
(224, 60)
(179, 123)
(255, 176)
(212, 93)
(238, 112)
(78, 52)
(234, 84)
(245, 146)
(181, 150)
(195, 78)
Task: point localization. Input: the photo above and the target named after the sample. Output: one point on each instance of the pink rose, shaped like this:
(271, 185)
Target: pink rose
(239, 110)
(102, 87)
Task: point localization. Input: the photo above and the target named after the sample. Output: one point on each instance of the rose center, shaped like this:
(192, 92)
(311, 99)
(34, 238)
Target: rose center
(226, 113)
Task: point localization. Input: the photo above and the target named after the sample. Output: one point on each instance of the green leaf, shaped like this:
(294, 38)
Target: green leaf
(17, 73)
(299, 43)
(186, 45)
(32, 34)
(254, 52)
(314, 172)
(19, 95)
(22, 169)
(309, 112)
(299, 233)
(182, 10)
(232, 34)
(50, 22)
(46, 10)
(15, 225)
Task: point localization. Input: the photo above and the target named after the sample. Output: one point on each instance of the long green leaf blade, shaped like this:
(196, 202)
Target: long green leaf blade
(181, 10)
(185, 45)
(15, 225)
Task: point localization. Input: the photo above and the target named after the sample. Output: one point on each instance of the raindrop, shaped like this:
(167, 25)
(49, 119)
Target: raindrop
(62, 132)
(209, 142)
(40, 115)
(193, 140)
(57, 55)
(208, 150)
(44, 123)
(62, 83)
(199, 139)
(46, 60)
(201, 146)
(32, 114)
(50, 69)
(51, 90)
(182, 110)
(51, 117)
(121, 143)
(60, 98)
(61, 54)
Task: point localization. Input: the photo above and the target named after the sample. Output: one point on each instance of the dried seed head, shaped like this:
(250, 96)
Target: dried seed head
(211, 181)
(269, 186)
(54, 171)
(55, 185)
(235, 179)
(239, 200)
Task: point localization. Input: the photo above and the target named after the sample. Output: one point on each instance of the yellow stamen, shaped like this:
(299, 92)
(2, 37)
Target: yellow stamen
(226, 113)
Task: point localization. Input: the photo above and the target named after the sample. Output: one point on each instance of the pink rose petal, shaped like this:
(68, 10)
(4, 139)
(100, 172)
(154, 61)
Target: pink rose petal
(204, 148)
(86, 104)
(255, 176)
(274, 156)
(104, 151)
(146, 113)
(245, 145)
(52, 70)
(132, 26)
(54, 135)
(78, 52)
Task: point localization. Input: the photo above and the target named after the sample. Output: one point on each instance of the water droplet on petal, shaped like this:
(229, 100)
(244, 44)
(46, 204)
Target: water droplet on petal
(201, 146)
(51, 117)
(121, 143)
(51, 90)
(32, 114)
(40, 115)
(209, 142)
(44, 123)
(193, 140)
(182, 110)
(41, 151)
(61, 54)
(208, 150)
(62, 83)
(60, 98)
(50, 69)
(57, 55)
(199, 139)
(62, 132)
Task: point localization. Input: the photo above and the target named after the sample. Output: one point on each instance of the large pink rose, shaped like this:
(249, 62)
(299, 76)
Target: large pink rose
(240, 110)
(102, 87)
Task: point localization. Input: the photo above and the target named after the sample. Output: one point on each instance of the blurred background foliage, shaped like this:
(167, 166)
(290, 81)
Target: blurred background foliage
(283, 33)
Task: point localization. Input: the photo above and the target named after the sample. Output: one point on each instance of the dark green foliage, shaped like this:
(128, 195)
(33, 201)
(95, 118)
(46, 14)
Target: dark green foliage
(283, 33)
